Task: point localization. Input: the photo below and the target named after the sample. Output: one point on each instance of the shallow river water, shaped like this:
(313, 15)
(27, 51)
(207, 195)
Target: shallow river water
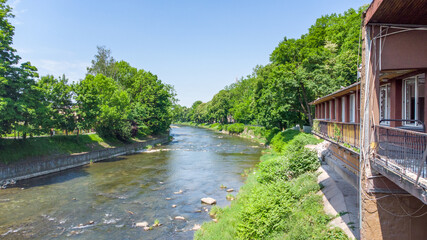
(118, 193)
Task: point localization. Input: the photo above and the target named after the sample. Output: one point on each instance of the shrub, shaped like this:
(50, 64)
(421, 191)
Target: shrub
(293, 138)
(279, 141)
(272, 170)
(236, 128)
(301, 160)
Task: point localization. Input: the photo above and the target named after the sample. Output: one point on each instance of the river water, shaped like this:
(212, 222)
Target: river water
(118, 193)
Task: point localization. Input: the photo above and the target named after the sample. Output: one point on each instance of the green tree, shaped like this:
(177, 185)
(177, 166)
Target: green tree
(57, 96)
(103, 63)
(104, 106)
(17, 104)
(219, 106)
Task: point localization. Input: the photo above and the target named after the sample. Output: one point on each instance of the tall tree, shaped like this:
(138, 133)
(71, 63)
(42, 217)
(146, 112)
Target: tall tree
(103, 63)
(17, 105)
(104, 106)
(58, 99)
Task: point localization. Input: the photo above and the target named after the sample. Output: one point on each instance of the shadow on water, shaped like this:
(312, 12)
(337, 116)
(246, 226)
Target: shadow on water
(117, 193)
(53, 178)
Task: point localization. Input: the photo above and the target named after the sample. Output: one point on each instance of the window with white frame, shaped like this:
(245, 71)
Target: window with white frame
(385, 103)
(352, 106)
(343, 109)
(413, 99)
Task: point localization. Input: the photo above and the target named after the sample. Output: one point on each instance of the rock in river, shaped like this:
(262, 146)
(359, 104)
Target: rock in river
(179, 192)
(209, 201)
(141, 224)
(230, 190)
(196, 227)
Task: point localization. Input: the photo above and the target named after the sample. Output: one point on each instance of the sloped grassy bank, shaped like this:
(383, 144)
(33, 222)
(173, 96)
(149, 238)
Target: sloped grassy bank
(278, 200)
(18, 150)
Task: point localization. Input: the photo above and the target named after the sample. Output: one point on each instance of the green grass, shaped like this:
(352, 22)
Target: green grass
(13, 150)
(278, 200)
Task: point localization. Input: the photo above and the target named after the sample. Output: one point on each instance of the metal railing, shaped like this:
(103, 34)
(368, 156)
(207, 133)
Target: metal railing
(417, 122)
(346, 133)
(402, 150)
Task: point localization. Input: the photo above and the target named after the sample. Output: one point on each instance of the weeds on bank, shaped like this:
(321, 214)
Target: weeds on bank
(279, 201)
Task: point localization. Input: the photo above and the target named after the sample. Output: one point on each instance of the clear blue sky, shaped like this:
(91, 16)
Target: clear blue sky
(197, 46)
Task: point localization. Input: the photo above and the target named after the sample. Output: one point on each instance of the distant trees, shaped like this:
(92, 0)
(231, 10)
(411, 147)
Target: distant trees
(300, 70)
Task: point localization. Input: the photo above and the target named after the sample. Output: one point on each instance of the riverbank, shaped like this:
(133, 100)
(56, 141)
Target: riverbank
(280, 199)
(42, 165)
(43, 147)
(116, 195)
(255, 133)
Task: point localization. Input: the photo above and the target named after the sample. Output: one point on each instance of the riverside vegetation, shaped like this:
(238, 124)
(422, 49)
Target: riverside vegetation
(121, 103)
(279, 199)
(301, 70)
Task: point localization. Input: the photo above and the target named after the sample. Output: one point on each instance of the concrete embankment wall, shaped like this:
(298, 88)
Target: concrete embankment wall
(29, 169)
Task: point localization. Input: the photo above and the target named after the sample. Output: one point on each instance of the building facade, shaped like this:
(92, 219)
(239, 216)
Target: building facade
(388, 108)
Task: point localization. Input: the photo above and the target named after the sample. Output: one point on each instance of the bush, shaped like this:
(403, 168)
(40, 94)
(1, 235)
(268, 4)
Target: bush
(301, 161)
(278, 201)
(236, 128)
(275, 169)
(292, 138)
(280, 140)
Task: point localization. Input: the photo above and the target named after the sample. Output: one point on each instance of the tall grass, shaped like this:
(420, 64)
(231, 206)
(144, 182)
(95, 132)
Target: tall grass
(278, 200)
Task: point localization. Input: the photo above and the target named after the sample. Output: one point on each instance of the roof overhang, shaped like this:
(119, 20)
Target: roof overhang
(409, 12)
(343, 91)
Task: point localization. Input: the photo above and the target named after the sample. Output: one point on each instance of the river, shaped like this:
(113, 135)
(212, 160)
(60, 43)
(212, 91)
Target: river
(104, 200)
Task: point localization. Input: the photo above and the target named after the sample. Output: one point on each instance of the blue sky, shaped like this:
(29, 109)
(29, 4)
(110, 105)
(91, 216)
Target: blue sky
(199, 47)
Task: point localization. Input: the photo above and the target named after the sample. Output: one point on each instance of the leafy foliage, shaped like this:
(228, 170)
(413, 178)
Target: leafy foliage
(279, 200)
(278, 94)
(18, 98)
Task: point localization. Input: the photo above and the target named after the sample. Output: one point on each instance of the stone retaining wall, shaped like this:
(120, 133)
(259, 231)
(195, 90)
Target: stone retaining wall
(29, 169)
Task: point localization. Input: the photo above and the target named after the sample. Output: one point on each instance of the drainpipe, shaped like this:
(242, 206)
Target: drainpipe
(364, 127)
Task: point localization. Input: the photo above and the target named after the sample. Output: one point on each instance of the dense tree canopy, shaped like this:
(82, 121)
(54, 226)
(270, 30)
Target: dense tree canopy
(115, 99)
(18, 99)
(300, 70)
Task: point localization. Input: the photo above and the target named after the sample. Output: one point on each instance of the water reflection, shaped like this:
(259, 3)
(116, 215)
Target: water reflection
(104, 200)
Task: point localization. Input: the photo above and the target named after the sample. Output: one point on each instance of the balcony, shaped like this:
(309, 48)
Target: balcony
(400, 155)
(344, 134)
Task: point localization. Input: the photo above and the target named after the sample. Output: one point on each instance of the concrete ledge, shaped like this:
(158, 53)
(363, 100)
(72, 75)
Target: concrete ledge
(325, 155)
(402, 182)
(340, 200)
(25, 170)
(340, 168)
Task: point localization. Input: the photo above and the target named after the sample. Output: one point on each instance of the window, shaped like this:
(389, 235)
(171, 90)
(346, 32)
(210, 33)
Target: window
(352, 107)
(413, 105)
(385, 104)
(330, 110)
(343, 109)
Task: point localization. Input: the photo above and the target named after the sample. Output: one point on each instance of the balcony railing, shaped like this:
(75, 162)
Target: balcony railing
(344, 133)
(402, 151)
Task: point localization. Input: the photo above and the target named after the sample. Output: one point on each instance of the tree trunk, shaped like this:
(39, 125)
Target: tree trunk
(24, 134)
(307, 107)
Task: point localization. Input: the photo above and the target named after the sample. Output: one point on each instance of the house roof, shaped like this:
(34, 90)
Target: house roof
(411, 12)
(343, 91)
